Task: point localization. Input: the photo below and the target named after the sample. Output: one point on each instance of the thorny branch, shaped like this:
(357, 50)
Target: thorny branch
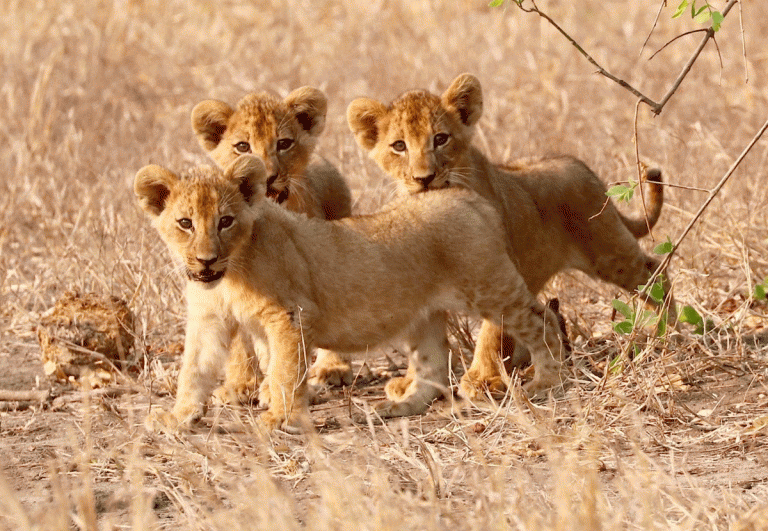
(655, 107)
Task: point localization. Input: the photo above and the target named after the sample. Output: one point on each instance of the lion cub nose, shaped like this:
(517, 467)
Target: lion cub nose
(207, 261)
(425, 180)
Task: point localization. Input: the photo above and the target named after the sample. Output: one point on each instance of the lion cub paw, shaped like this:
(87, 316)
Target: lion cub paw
(334, 375)
(160, 420)
(541, 385)
(239, 393)
(399, 388)
(295, 425)
(473, 388)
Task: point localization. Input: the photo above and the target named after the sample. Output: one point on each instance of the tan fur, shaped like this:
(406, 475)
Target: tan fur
(554, 209)
(264, 125)
(345, 285)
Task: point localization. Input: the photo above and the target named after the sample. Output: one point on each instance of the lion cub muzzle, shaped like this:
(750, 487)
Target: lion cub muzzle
(207, 274)
(275, 194)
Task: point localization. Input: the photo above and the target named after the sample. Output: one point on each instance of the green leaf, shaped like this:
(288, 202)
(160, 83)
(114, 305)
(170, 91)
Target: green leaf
(680, 9)
(664, 247)
(760, 292)
(624, 327)
(696, 12)
(496, 3)
(688, 314)
(645, 318)
(621, 192)
(623, 308)
(702, 16)
(717, 20)
(657, 291)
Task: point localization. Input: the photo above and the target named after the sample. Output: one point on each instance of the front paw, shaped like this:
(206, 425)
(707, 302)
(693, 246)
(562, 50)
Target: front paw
(332, 375)
(473, 387)
(542, 384)
(296, 424)
(399, 388)
(160, 420)
(236, 394)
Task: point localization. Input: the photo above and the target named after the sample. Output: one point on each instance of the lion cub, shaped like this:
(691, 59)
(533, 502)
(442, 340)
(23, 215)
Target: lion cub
(554, 210)
(345, 285)
(283, 133)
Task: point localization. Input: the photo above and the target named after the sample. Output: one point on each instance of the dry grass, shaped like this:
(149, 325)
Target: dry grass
(674, 439)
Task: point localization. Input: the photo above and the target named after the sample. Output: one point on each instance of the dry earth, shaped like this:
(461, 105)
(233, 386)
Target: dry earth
(674, 437)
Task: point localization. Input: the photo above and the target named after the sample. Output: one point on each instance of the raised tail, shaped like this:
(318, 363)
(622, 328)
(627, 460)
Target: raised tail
(654, 198)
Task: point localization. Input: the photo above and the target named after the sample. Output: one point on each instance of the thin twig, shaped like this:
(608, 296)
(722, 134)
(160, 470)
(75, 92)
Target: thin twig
(684, 34)
(743, 45)
(640, 171)
(655, 21)
(712, 194)
(20, 396)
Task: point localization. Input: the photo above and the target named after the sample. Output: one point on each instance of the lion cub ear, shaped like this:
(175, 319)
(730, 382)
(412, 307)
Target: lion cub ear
(209, 122)
(152, 187)
(250, 175)
(363, 117)
(465, 98)
(309, 106)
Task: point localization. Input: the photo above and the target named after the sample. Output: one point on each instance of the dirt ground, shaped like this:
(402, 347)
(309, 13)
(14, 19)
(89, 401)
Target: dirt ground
(651, 433)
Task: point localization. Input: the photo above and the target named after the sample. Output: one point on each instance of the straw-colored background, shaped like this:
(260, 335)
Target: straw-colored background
(92, 91)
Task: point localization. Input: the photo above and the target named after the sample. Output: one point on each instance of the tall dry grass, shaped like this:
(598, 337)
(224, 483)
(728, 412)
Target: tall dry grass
(93, 90)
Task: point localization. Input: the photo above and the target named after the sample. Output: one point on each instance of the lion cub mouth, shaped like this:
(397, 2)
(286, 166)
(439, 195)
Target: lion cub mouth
(206, 275)
(278, 196)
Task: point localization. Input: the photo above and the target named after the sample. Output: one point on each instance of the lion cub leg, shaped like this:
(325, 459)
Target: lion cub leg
(516, 313)
(330, 368)
(286, 378)
(242, 376)
(539, 329)
(494, 350)
(427, 377)
(206, 345)
(486, 370)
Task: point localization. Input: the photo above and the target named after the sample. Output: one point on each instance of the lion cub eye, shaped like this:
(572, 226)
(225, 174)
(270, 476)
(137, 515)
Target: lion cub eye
(185, 223)
(284, 144)
(441, 139)
(243, 147)
(399, 146)
(225, 222)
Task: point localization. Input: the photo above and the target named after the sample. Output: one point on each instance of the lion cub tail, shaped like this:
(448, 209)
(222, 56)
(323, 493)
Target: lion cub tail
(654, 201)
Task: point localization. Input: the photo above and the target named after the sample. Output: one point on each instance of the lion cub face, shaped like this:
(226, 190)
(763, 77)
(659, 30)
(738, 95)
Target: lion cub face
(420, 139)
(203, 216)
(282, 133)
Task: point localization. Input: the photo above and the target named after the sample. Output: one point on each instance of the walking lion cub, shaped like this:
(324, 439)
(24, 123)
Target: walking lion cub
(345, 285)
(555, 211)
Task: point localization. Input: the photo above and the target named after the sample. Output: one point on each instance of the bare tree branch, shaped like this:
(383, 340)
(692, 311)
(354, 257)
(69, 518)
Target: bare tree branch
(689, 64)
(655, 107)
